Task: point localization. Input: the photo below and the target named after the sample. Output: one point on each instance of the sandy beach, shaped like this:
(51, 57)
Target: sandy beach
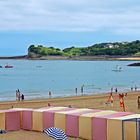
(27, 135)
(85, 101)
(97, 101)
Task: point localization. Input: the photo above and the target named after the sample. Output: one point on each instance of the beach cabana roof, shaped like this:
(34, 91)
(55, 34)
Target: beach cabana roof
(100, 113)
(128, 117)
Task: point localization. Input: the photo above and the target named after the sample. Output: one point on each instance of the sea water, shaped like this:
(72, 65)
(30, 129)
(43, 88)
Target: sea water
(35, 78)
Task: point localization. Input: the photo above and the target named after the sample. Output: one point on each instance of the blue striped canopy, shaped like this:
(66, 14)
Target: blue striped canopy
(3, 131)
(55, 133)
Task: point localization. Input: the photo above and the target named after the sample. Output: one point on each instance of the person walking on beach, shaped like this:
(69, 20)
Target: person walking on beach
(82, 89)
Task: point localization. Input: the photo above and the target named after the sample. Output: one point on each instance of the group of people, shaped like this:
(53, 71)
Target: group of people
(82, 89)
(19, 95)
(121, 99)
(132, 89)
(116, 90)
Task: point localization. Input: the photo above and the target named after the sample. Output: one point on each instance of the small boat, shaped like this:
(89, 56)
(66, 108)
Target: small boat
(0, 66)
(117, 69)
(8, 66)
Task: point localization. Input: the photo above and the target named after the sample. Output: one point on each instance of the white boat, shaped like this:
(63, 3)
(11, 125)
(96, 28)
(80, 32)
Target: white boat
(117, 68)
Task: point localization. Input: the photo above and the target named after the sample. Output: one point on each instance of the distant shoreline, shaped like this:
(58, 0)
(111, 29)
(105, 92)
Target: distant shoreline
(80, 58)
(14, 57)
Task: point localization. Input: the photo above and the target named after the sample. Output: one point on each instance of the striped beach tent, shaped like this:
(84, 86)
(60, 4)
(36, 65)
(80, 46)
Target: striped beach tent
(3, 131)
(55, 133)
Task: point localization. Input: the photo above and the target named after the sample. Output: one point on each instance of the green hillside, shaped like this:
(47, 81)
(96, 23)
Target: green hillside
(109, 49)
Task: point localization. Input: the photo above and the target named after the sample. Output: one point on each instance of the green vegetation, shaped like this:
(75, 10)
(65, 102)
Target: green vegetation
(137, 54)
(109, 49)
(38, 51)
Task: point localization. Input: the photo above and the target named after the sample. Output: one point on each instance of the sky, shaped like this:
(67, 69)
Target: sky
(66, 23)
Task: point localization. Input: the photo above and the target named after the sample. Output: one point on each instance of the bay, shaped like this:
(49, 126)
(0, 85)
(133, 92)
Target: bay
(35, 78)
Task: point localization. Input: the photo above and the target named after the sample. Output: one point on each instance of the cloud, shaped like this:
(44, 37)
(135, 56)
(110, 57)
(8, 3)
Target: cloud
(71, 15)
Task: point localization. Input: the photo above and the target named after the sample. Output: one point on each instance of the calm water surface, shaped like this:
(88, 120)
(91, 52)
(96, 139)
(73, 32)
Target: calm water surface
(36, 78)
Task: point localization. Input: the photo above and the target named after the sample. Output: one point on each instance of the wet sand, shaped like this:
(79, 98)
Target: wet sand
(85, 101)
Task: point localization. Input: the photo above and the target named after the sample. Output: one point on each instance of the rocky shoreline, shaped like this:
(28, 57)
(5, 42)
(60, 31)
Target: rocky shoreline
(14, 57)
(82, 58)
(134, 64)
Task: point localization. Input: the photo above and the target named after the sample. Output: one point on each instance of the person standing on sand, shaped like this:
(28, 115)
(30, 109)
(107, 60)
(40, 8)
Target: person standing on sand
(50, 94)
(16, 95)
(122, 105)
(116, 90)
(112, 89)
(76, 90)
(82, 89)
(22, 97)
(110, 99)
(135, 88)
